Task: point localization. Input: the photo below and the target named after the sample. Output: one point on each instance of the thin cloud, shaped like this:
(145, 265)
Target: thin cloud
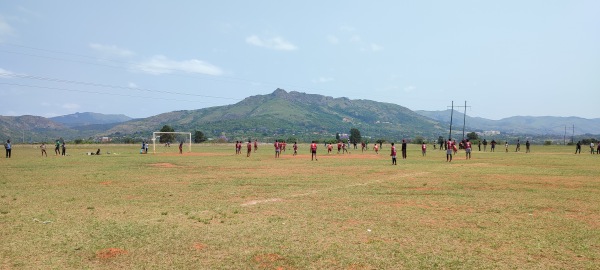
(111, 50)
(275, 43)
(323, 80)
(6, 73)
(71, 106)
(132, 85)
(28, 11)
(333, 39)
(410, 88)
(5, 29)
(160, 64)
(375, 47)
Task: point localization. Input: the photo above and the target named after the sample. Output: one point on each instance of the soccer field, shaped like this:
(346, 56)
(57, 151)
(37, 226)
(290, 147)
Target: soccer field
(212, 209)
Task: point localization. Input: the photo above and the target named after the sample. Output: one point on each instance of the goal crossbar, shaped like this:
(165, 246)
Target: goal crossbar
(160, 132)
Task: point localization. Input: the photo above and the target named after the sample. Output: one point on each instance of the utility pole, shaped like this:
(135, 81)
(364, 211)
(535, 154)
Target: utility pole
(451, 113)
(464, 118)
(573, 133)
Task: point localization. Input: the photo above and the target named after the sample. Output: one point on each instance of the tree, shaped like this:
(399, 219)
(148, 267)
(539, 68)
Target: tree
(355, 136)
(472, 136)
(337, 136)
(419, 140)
(165, 138)
(199, 136)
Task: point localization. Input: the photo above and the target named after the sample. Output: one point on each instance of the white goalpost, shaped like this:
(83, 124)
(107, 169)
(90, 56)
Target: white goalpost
(189, 135)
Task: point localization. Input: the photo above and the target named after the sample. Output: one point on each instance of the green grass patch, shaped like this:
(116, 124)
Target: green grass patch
(213, 209)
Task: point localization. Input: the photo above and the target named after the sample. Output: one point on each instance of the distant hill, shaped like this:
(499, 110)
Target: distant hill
(30, 128)
(534, 125)
(90, 118)
(282, 114)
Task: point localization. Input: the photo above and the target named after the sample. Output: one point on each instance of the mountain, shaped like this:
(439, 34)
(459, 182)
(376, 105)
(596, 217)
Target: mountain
(89, 118)
(534, 125)
(28, 127)
(301, 115)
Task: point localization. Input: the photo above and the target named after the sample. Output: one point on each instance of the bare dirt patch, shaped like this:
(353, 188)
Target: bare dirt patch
(267, 260)
(253, 202)
(193, 154)
(108, 253)
(198, 246)
(106, 183)
(164, 165)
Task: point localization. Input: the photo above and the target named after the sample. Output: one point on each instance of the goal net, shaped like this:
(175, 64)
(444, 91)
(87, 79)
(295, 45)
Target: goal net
(174, 139)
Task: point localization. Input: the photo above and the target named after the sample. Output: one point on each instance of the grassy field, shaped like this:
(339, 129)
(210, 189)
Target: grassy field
(212, 209)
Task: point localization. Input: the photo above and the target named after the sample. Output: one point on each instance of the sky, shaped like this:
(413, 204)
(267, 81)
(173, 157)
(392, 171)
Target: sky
(143, 58)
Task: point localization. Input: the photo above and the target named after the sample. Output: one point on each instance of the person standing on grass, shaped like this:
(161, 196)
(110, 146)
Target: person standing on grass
(527, 147)
(484, 145)
(255, 145)
(277, 148)
(598, 149)
(449, 150)
(424, 148)
(403, 149)
(344, 148)
(506, 146)
(329, 148)
(376, 148)
(8, 148)
(592, 148)
(454, 149)
(479, 145)
(313, 151)
(339, 146)
(180, 147)
(296, 148)
(518, 146)
(57, 148)
(43, 148)
(393, 154)
(64, 148)
(578, 148)
(468, 149)
(493, 143)
(249, 146)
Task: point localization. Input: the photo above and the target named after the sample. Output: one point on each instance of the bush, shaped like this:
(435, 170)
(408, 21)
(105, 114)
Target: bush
(547, 142)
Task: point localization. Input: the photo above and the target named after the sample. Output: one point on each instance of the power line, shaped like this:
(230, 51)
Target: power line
(96, 92)
(197, 75)
(106, 85)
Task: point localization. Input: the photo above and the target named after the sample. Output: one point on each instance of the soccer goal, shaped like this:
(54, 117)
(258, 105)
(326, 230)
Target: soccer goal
(185, 137)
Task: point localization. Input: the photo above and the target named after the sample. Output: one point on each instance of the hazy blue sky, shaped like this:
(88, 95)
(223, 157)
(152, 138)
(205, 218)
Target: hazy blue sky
(142, 58)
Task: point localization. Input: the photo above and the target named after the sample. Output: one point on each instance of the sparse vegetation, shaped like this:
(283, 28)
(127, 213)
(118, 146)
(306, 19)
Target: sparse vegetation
(218, 210)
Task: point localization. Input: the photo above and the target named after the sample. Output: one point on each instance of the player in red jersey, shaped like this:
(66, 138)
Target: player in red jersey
(344, 149)
(468, 148)
(329, 148)
(236, 147)
(249, 145)
(362, 146)
(295, 148)
(339, 146)
(313, 150)
(277, 148)
(255, 145)
(376, 148)
(449, 150)
(424, 149)
(393, 154)
(283, 144)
